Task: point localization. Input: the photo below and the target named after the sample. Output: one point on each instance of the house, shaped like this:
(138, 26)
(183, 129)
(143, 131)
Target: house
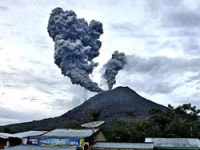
(25, 135)
(7, 140)
(122, 146)
(69, 138)
(32, 147)
(174, 143)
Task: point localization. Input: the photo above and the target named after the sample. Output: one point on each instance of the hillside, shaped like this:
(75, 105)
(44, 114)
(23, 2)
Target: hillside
(120, 108)
(116, 104)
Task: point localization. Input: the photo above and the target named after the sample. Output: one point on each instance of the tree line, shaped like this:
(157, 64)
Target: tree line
(180, 122)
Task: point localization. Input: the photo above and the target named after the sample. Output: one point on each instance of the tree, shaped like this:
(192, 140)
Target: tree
(94, 115)
(182, 121)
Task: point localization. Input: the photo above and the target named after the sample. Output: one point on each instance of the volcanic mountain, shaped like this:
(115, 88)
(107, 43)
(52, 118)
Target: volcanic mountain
(116, 104)
(119, 108)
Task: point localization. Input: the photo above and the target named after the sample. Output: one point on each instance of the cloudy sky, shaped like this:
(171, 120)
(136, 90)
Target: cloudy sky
(159, 37)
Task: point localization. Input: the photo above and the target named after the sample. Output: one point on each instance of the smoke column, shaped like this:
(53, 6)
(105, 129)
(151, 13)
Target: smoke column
(115, 64)
(76, 45)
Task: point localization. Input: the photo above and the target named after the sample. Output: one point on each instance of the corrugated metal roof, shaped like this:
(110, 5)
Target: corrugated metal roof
(7, 135)
(100, 145)
(70, 133)
(29, 147)
(174, 142)
(29, 133)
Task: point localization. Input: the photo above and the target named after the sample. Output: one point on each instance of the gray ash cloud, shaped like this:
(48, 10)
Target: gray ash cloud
(76, 45)
(116, 63)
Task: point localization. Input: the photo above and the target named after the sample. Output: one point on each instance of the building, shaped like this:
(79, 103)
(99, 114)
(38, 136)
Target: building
(27, 134)
(7, 140)
(175, 143)
(69, 138)
(60, 139)
(122, 146)
(31, 147)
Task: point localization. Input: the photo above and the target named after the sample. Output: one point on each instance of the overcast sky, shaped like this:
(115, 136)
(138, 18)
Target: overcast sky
(160, 37)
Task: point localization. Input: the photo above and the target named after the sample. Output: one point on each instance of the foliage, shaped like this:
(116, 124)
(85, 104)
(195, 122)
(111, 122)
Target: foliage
(182, 121)
(94, 115)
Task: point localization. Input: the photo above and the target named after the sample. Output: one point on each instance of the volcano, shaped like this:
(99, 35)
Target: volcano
(119, 108)
(116, 104)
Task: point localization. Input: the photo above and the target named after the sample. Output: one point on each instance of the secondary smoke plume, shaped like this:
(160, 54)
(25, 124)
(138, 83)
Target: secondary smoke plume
(76, 45)
(115, 64)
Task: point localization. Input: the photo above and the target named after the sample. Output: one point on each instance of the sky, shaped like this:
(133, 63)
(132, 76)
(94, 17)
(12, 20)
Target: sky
(159, 37)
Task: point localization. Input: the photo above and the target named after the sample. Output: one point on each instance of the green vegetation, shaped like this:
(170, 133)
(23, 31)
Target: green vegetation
(182, 121)
(94, 115)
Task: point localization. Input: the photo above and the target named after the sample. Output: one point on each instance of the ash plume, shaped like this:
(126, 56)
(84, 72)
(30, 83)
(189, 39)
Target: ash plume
(115, 64)
(76, 45)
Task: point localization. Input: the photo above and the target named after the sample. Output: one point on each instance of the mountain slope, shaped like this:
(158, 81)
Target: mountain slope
(119, 107)
(118, 103)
